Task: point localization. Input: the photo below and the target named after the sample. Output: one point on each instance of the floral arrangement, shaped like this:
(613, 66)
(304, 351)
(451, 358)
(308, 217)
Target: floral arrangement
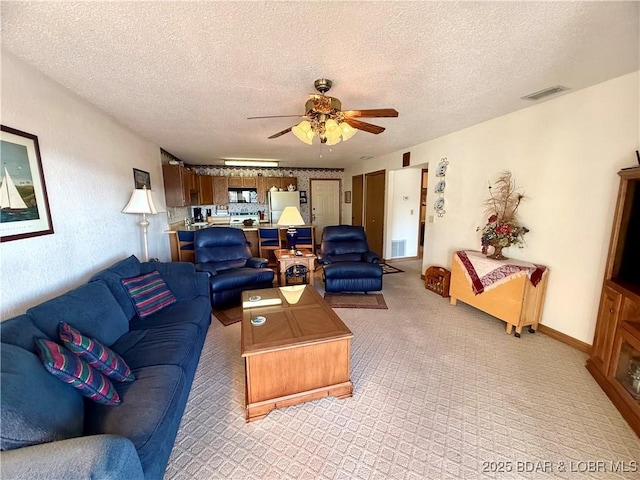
(503, 228)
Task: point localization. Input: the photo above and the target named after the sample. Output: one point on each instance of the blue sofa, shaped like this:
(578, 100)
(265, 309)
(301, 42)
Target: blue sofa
(348, 264)
(49, 430)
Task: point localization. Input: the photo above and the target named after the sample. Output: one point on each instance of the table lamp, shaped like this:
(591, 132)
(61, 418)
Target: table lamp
(291, 218)
(145, 202)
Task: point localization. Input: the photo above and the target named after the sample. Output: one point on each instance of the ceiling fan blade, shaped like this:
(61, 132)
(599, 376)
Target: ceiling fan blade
(376, 112)
(279, 134)
(367, 127)
(275, 116)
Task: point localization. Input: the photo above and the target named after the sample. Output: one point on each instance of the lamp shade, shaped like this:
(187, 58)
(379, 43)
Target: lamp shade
(293, 293)
(141, 201)
(347, 131)
(304, 132)
(290, 217)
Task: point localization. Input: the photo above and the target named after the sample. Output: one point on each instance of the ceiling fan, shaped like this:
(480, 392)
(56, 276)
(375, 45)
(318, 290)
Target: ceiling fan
(325, 118)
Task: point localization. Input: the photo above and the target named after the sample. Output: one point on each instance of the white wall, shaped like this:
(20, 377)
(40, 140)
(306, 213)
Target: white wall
(87, 159)
(403, 212)
(565, 153)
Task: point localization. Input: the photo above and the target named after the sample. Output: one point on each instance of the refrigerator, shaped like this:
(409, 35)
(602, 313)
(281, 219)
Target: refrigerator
(279, 200)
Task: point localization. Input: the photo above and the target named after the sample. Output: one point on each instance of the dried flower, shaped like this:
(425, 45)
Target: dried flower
(503, 228)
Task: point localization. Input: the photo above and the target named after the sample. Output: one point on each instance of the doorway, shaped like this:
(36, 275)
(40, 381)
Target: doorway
(423, 211)
(357, 186)
(374, 210)
(325, 204)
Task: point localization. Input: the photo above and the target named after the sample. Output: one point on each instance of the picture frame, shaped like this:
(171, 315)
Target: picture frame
(347, 196)
(303, 196)
(23, 196)
(141, 179)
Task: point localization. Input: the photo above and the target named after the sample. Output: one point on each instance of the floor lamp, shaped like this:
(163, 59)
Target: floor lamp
(291, 218)
(142, 201)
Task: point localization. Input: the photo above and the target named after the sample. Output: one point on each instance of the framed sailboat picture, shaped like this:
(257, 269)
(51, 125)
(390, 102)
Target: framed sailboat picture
(24, 206)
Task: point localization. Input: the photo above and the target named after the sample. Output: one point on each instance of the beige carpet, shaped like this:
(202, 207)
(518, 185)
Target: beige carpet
(438, 392)
(355, 300)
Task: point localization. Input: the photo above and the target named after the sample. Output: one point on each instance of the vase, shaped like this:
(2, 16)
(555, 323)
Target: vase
(497, 253)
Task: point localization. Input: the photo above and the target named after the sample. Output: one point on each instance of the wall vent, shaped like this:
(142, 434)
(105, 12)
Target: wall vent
(398, 248)
(543, 93)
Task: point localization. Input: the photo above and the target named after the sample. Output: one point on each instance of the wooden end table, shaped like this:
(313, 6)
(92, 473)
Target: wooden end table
(287, 259)
(300, 353)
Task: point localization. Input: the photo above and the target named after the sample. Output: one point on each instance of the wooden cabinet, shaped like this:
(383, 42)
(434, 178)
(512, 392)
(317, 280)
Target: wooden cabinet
(205, 190)
(606, 328)
(180, 186)
(242, 182)
(220, 190)
(616, 342)
(516, 301)
(286, 181)
(262, 184)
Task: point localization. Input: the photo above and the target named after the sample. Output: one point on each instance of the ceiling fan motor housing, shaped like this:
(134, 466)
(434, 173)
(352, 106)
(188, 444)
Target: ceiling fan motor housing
(323, 85)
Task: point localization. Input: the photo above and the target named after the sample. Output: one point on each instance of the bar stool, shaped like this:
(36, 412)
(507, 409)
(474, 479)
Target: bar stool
(269, 240)
(306, 238)
(186, 252)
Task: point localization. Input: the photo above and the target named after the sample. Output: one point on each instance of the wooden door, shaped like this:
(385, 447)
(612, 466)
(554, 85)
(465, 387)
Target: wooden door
(357, 188)
(325, 204)
(374, 210)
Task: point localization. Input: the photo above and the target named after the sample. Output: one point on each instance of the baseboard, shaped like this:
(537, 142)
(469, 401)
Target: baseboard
(561, 337)
(391, 260)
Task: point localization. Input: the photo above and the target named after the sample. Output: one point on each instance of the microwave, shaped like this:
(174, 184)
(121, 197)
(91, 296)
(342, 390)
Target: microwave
(243, 195)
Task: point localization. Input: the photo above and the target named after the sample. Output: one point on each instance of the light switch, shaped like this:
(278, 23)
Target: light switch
(430, 219)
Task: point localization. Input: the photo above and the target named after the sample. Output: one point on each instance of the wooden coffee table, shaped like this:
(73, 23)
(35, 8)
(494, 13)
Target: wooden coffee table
(301, 352)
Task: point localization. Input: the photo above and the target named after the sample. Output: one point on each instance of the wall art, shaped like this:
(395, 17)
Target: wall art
(24, 206)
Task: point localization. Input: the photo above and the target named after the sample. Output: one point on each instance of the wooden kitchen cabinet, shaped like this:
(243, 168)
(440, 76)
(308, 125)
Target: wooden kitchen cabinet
(220, 190)
(281, 182)
(179, 188)
(242, 182)
(263, 187)
(205, 190)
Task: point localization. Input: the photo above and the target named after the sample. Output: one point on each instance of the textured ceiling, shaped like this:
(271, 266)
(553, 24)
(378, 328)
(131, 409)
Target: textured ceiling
(186, 75)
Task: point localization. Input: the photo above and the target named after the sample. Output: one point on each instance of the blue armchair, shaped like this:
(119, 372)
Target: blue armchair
(349, 265)
(224, 253)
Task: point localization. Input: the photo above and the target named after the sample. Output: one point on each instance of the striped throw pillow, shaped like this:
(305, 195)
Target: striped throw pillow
(95, 353)
(64, 365)
(149, 293)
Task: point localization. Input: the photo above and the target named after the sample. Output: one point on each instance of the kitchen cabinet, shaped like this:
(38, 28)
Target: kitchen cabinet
(180, 188)
(242, 182)
(615, 355)
(220, 190)
(281, 182)
(263, 187)
(205, 190)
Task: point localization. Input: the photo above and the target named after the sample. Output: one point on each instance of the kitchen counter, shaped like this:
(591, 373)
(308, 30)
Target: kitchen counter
(250, 232)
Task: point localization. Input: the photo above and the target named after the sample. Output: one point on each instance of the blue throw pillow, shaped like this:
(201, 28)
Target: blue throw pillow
(149, 293)
(76, 372)
(95, 354)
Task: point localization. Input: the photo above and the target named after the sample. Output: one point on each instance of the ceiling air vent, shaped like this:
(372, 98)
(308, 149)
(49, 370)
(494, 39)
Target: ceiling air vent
(544, 93)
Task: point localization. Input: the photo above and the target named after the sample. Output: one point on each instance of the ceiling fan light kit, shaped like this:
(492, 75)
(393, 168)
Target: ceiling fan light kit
(325, 119)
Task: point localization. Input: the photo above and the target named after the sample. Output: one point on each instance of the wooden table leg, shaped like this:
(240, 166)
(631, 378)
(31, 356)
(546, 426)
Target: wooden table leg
(509, 327)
